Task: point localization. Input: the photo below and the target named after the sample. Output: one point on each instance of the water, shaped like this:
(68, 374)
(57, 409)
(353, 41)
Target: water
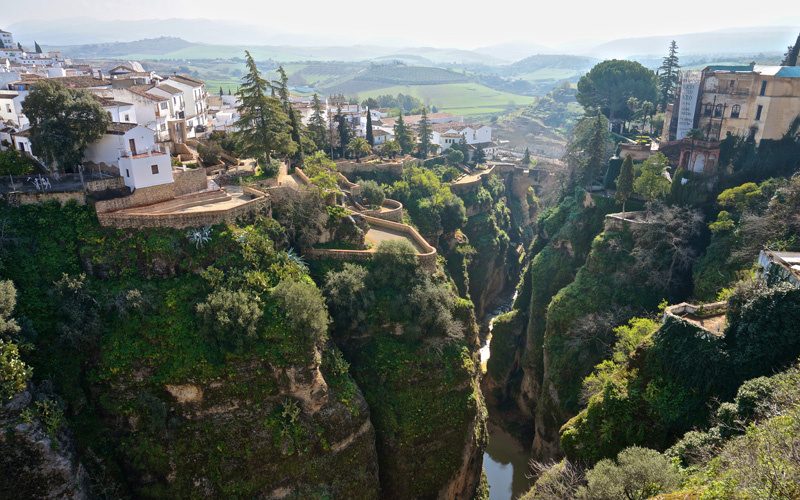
(506, 464)
(505, 459)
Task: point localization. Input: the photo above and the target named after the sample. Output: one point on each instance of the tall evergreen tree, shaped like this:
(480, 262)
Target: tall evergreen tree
(263, 127)
(625, 182)
(344, 131)
(295, 124)
(791, 56)
(37, 47)
(526, 158)
(424, 130)
(19, 46)
(220, 91)
(403, 136)
(317, 127)
(369, 134)
(596, 150)
(668, 76)
(479, 156)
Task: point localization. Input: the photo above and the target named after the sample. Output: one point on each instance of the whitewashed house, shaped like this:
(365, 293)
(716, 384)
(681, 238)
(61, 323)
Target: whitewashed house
(195, 98)
(381, 136)
(152, 110)
(6, 39)
(132, 149)
(11, 109)
(119, 111)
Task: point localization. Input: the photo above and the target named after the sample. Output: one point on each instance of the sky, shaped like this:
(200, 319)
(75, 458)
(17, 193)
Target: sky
(466, 24)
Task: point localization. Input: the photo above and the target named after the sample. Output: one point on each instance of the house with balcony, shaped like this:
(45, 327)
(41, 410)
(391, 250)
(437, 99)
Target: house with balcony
(11, 109)
(152, 109)
(133, 150)
(195, 98)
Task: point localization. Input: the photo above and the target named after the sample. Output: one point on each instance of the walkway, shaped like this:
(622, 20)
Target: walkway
(376, 235)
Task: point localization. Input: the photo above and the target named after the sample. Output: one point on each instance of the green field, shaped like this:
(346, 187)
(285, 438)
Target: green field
(466, 99)
(548, 74)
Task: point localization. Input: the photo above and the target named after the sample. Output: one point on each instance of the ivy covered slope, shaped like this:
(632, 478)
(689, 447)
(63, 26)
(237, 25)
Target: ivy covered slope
(411, 344)
(181, 367)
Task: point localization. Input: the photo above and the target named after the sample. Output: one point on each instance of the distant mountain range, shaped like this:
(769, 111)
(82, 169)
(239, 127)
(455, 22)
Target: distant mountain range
(191, 39)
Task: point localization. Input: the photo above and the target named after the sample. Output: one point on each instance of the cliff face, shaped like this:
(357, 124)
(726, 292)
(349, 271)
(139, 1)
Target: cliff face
(36, 461)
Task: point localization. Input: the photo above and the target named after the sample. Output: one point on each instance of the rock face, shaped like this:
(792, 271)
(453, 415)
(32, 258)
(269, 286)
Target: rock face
(33, 462)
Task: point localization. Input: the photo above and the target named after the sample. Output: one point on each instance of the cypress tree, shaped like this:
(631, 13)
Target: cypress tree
(597, 150)
(370, 136)
(668, 76)
(791, 56)
(479, 156)
(625, 182)
(344, 132)
(424, 134)
(403, 136)
(526, 158)
(220, 91)
(317, 126)
(37, 47)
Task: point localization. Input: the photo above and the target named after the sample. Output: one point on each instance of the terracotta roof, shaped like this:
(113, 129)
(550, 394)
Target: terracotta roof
(186, 80)
(23, 133)
(380, 132)
(142, 91)
(119, 128)
(109, 101)
(169, 88)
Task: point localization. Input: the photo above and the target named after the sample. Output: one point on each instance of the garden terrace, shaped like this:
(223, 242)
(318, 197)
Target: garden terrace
(710, 317)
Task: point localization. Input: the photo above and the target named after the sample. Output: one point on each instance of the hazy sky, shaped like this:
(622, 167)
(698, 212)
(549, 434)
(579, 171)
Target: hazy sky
(467, 24)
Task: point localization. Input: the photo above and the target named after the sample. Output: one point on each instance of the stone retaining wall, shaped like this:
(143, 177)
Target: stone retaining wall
(189, 181)
(393, 213)
(621, 220)
(142, 196)
(105, 184)
(427, 257)
(185, 220)
(32, 198)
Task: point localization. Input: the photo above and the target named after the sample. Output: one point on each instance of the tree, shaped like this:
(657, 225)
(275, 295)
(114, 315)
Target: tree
(230, 317)
(37, 47)
(790, 58)
(625, 182)
(372, 193)
(358, 147)
(637, 474)
(609, 85)
(479, 157)
(526, 158)
(668, 76)
(63, 123)
(209, 152)
(403, 136)
(304, 310)
(347, 295)
(221, 93)
(344, 131)
(424, 135)
(317, 127)
(391, 149)
(455, 157)
(19, 46)
(596, 150)
(294, 122)
(370, 136)
(263, 127)
(651, 182)
(14, 373)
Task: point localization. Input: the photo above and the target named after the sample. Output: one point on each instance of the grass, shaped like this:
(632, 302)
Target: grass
(466, 99)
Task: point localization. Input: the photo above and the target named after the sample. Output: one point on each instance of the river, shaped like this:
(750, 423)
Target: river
(505, 460)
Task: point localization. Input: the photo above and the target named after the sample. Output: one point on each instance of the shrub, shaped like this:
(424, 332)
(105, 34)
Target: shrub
(13, 163)
(372, 193)
(637, 474)
(209, 152)
(304, 309)
(14, 373)
(230, 317)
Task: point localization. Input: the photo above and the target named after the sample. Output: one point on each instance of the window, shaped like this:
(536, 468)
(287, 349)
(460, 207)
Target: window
(8, 108)
(718, 111)
(707, 109)
(164, 105)
(127, 118)
(763, 89)
(735, 110)
(127, 173)
(154, 169)
(758, 112)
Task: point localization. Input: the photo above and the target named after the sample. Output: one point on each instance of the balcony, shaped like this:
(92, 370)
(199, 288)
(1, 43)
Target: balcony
(156, 150)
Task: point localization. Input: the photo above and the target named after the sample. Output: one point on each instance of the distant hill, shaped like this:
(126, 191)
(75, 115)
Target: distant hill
(732, 41)
(380, 76)
(513, 51)
(560, 61)
(150, 46)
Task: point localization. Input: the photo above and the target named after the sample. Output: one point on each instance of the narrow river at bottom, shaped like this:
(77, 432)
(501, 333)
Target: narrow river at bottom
(505, 459)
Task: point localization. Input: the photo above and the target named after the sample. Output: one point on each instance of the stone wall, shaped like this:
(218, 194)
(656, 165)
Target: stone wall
(393, 212)
(140, 197)
(394, 168)
(185, 220)
(105, 184)
(189, 181)
(621, 220)
(32, 198)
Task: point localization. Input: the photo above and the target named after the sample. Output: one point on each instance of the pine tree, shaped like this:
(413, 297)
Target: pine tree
(263, 127)
(37, 47)
(369, 134)
(403, 136)
(526, 158)
(229, 91)
(317, 126)
(791, 56)
(424, 134)
(19, 46)
(282, 90)
(668, 76)
(220, 91)
(625, 182)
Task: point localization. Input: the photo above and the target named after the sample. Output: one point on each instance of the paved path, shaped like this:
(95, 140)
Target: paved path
(376, 235)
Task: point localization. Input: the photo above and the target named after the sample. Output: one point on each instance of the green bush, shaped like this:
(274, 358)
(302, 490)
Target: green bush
(13, 163)
(14, 373)
(637, 474)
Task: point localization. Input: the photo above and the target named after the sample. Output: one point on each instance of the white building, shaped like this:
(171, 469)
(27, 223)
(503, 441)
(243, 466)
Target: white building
(11, 109)
(153, 110)
(6, 39)
(119, 111)
(381, 136)
(132, 149)
(195, 98)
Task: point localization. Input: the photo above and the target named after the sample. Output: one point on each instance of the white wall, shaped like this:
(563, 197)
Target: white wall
(138, 172)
